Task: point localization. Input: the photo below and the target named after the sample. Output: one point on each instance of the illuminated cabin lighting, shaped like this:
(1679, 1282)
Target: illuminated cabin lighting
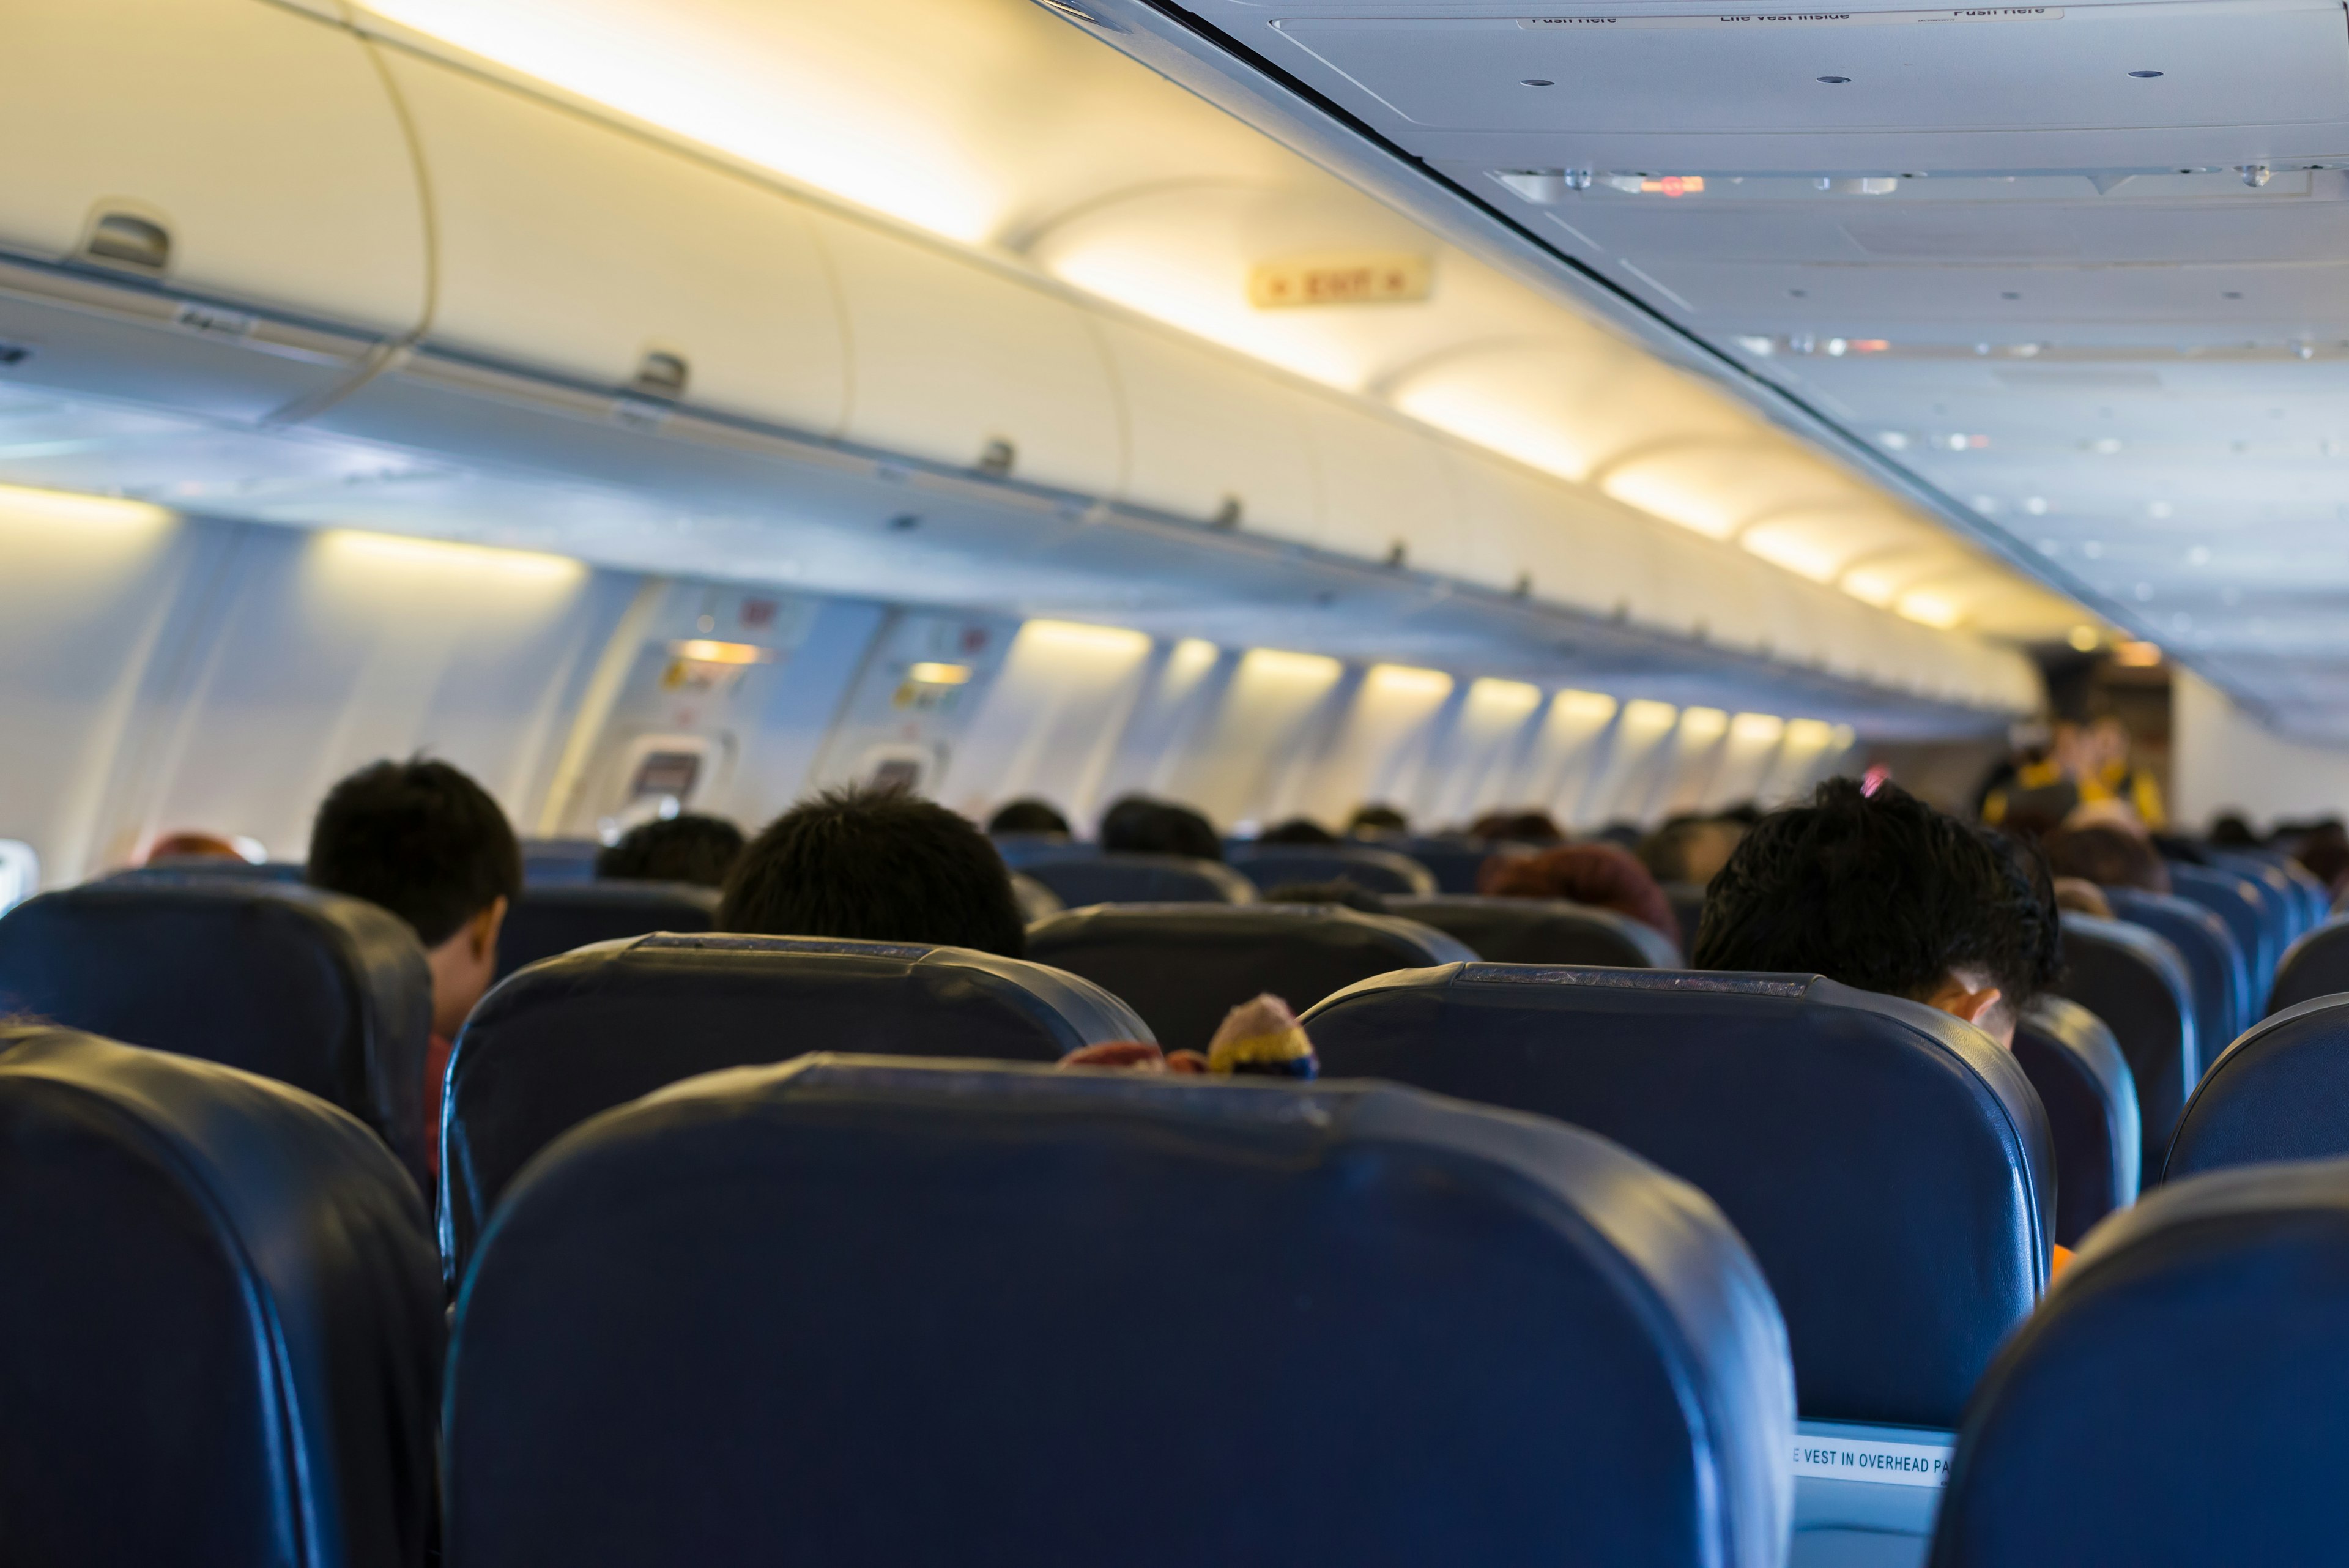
(2137, 655)
(65, 506)
(1703, 725)
(362, 548)
(1279, 664)
(1080, 637)
(1592, 707)
(2085, 638)
(703, 651)
(1927, 607)
(1503, 700)
(1649, 716)
(1757, 729)
(1407, 680)
(1810, 735)
(931, 674)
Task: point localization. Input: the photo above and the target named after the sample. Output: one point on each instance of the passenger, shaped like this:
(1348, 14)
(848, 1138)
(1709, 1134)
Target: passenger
(875, 865)
(1600, 875)
(1884, 893)
(1375, 821)
(182, 846)
(1259, 1038)
(1518, 828)
(1296, 830)
(1138, 824)
(2322, 852)
(1689, 849)
(426, 842)
(2107, 855)
(688, 847)
(1344, 891)
(2229, 830)
(2077, 895)
(1028, 815)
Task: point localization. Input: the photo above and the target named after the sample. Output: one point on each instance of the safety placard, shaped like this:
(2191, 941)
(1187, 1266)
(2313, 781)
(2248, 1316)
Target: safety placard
(1867, 1460)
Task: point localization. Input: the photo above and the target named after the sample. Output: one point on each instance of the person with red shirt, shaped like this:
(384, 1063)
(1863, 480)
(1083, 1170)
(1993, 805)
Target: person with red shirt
(427, 843)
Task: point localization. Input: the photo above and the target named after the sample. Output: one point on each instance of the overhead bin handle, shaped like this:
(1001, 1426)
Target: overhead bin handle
(126, 240)
(662, 375)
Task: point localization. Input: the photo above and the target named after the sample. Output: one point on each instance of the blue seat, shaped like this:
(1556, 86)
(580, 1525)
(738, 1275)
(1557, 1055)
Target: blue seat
(2280, 1093)
(2282, 898)
(2182, 1399)
(2090, 1097)
(1542, 930)
(1454, 863)
(2215, 965)
(213, 866)
(2242, 905)
(1184, 966)
(328, 993)
(1085, 875)
(1034, 898)
(2135, 983)
(2316, 965)
(1687, 899)
(1020, 850)
(883, 1312)
(1889, 1166)
(558, 862)
(1269, 866)
(219, 1320)
(554, 918)
(598, 1027)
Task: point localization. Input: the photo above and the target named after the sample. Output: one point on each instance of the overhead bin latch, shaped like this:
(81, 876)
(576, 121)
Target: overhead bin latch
(661, 375)
(126, 240)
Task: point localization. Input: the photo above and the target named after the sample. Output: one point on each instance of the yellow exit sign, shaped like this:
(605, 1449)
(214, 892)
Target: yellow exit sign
(1382, 280)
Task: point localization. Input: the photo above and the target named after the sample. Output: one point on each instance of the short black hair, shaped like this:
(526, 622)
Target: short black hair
(1296, 830)
(1883, 892)
(420, 839)
(686, 847)
(1345, 891)
(875, 865)
(1373, 818)
(1137, 824)
(1028, 815)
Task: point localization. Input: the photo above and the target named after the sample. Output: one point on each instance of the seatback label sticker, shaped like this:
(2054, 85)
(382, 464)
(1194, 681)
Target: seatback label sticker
(1865, 1459)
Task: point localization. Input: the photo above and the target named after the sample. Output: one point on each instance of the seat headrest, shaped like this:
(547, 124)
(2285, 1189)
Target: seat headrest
(220, 1299)
(2237, 900)
(550, 920)
(884, 1309)
(1888, 1165)
(1081, 874)
(1269, 866)
(2280, 1093)
(1455, 862)
(2089, 1094)
(328, 993)
(2136, 982)
(2183, 1396)
(1184, 966)
(2316, 965)
(596, 1027)
(2213, 958)
(1542, 930)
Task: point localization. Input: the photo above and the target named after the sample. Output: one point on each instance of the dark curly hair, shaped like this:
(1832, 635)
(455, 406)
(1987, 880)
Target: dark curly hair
(688, 847)
(876, 865)
(1883, 892)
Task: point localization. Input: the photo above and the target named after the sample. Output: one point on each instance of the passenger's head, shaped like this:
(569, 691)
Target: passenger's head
(1296, 830)
(429, 844)
(875, 865)
(1377, 821)
(1138, 824)
(2323, 853)
(173, 846)
(1883, 892)
(1518, 826)
(2107, 855)
(2229, 830)
(688, 847)
(1600, 875)
(2077, 896)
(1352, 894)
(1028, 815)
(1689, 849)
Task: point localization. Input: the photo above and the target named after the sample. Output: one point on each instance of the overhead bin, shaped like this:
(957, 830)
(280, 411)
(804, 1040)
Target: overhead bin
(1384, 489)
(955, 362)
(224, 146)
(1556, 544)
(575, 247)
(1209, 438)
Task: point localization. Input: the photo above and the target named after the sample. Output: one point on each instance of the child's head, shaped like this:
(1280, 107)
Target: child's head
(426, 842)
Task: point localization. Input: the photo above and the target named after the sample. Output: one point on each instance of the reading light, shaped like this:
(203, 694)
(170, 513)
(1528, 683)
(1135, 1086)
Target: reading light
(928, 674)
(2084, 639)
(2137, 655)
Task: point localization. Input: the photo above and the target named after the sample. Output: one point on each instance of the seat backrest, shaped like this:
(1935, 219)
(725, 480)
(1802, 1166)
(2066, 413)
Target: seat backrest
(1687, 899)
(1888, 1165)
(1184, 966)
(596, 1027)
(2279, 898)
(2135, 983)
(328, 993)
(1269, 865)
(2316, 965)
(2281, 1092)
(214, 865)
(1035, 899)
(220, 1319)
(558, 862)
(1542, 930)
(1454, 863)
(2241, 904)
(2214, 960)
(2182, 1397)
(1089, 876)
(552, 918)
(858, 1311)
(2090, 1097)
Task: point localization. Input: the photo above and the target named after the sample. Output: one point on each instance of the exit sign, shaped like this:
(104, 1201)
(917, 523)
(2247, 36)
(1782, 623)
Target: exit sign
(1384, 279)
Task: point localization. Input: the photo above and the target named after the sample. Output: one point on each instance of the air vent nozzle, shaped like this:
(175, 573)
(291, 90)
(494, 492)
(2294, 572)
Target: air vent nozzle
(119, 239)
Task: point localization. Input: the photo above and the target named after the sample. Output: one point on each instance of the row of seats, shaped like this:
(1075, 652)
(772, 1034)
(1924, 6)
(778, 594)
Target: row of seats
(865, 1308)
